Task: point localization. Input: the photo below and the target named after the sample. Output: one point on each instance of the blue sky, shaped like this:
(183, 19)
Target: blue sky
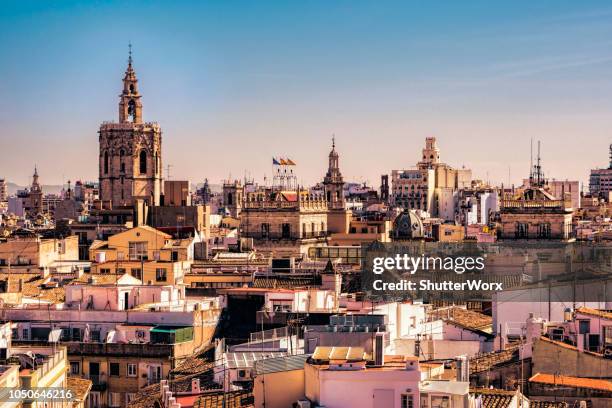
(233, 83)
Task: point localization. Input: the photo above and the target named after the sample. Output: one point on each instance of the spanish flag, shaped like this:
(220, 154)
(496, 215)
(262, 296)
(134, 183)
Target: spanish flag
(283, 162)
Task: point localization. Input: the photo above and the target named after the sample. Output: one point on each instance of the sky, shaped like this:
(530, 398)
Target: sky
(234, 83)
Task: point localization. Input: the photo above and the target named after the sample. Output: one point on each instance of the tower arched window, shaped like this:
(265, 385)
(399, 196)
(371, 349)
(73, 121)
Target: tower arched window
(230, 199)
(131, 88)
(143, 162)
(121, 161)
(105, 162)
(132, 110)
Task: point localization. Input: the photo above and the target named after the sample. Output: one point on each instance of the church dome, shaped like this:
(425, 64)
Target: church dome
(408, 225)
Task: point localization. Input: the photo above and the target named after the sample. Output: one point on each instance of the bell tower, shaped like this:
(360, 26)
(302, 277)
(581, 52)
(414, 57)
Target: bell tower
(130, 165)
(130, 105)
(333, 181)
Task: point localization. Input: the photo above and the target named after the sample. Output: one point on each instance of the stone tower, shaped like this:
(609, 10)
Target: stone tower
(233, 192)
(34, 204)
(431, 154)
(130, 151)
(333, 181)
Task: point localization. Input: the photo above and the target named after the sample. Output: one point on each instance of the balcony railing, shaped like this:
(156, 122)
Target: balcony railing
(113, 349)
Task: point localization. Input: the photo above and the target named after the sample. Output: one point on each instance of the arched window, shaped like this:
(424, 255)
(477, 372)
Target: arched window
(230, 199)
(131, 88)
(105, 162)
(143, 162)
(132, 110)
(121, 162)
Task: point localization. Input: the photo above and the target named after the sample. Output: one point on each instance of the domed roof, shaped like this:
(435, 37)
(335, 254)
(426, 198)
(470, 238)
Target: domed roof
(408, 225)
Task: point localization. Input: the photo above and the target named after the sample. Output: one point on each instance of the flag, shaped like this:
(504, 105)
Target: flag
(290, 162)
(283, 161)
(275, 162)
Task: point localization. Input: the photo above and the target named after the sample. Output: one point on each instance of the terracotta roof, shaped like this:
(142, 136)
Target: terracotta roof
(286, 282)
(225, 400)
(32, 287)
(464, 317)
(99, 278)
(494, 398)
(548, 404)
(80, 387)
(595, 312)
(486, 361)
(574, 382)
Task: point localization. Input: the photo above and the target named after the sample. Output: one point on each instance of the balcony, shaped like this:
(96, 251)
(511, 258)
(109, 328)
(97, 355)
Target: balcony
(98, 382)
(76, 348)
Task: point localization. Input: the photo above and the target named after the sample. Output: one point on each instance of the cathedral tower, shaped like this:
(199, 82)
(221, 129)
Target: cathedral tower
(333, 181)
(130, 166)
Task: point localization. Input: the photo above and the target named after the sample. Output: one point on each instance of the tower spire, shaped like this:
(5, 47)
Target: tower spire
(130, 106)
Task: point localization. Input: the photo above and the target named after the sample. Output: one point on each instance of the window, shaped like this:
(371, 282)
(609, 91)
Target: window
(143, 162)
(174, 256)
(114, 369)
(94, 336)
(522, 230)
(161, 274)
(156, 255)
(544, 230)
(407, 401)
(131, 370)
(424, 401)
(135, 272)
(105, 162)
(104, 270)
(440, 402)
(114, 399)
(25, 334)
(75, 368)
(584, 326)
(286, 230)
(138, 251)
(265, 230)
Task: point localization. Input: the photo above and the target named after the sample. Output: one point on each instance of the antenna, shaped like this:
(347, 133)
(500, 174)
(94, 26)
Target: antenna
(531, 161)
(168, 167)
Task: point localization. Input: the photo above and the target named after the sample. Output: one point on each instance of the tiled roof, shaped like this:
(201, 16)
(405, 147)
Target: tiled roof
(98, 278)
(595, 312)
(464, 317)
(486, 361)
(493, 398)
(32, 287)
(574, 382)
(548, 404)
(225, 400)
(80, 387)
(286, 283)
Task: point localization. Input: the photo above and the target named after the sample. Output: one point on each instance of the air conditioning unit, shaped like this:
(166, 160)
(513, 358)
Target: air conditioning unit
(303, 404)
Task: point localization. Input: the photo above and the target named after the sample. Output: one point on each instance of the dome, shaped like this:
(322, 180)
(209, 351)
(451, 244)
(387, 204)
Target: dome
(408, 225)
